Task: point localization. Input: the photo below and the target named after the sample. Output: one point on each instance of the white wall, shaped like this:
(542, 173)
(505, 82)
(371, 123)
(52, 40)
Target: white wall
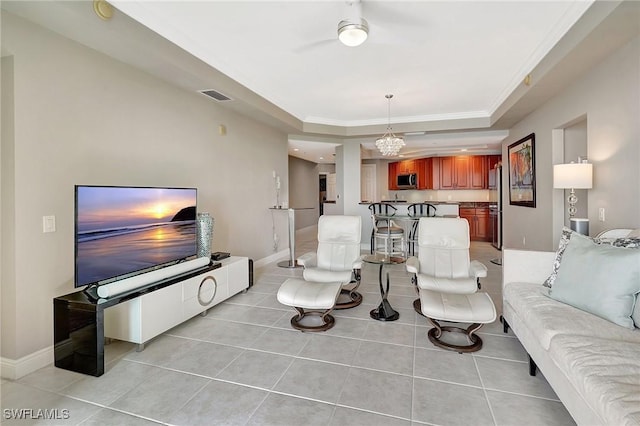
(609, 97)
(81, 117)
(575, 145)
(304, 191)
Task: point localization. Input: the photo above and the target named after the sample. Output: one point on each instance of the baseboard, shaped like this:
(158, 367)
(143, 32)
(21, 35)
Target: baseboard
(272, 258)
(15, 369)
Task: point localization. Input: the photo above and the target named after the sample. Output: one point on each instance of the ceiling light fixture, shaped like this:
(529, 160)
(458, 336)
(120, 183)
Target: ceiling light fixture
(352, 33)
(389, 144)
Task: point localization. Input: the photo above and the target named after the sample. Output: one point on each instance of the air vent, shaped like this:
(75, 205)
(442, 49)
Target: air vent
(215, 95)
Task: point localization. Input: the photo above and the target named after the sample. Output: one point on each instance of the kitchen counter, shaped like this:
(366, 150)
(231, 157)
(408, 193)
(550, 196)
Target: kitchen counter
(405, 202)
(476, 204)
(443, 209)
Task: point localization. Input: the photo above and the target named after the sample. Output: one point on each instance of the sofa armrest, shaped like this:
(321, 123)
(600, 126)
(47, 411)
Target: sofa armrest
(526, 266)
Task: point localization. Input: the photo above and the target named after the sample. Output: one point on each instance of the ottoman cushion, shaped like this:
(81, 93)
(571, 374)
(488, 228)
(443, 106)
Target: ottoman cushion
(299, 293)
(467, 308)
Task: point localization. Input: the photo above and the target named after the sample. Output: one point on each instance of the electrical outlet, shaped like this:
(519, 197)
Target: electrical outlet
(524, 241)
(601, 214)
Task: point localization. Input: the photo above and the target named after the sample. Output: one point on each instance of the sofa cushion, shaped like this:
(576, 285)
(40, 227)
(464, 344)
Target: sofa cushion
(599, 279)
(547, 318)
(606, 372)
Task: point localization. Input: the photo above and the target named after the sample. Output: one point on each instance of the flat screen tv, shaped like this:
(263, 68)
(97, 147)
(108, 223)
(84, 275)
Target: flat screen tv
(125, 231)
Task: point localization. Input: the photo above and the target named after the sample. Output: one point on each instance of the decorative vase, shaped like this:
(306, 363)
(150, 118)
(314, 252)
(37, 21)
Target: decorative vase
(204, 231)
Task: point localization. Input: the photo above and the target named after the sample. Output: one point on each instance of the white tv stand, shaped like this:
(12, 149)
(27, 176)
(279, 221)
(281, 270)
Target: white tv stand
(149, 315)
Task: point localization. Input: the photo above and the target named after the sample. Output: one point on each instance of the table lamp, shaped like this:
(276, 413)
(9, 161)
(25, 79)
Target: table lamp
(574, 176)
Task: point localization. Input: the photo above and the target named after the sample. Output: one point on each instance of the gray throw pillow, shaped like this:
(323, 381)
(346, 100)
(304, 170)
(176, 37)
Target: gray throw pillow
(601, 279)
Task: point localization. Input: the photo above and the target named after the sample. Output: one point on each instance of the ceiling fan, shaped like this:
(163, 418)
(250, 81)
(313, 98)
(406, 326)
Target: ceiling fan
(353, 29)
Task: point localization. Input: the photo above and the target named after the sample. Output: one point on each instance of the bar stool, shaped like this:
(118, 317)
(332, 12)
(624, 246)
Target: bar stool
(416, 211)
(377, 209)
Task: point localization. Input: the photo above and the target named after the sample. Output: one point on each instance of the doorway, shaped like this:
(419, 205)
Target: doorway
(322, 196)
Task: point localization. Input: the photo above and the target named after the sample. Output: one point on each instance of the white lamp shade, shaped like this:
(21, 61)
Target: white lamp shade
(573, 175)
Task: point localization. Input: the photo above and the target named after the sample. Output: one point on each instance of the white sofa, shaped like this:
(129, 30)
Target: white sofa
(592, 364)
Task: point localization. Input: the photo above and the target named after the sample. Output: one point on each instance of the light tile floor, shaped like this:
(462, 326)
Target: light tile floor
(242, 364)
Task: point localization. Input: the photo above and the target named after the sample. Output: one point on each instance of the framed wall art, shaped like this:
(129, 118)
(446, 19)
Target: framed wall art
(522, 172)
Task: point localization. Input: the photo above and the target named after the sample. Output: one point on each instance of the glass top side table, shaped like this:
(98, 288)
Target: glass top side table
(384, 311)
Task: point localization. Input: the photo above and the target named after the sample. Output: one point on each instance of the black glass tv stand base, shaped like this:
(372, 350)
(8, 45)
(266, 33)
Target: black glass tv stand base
(78, 323)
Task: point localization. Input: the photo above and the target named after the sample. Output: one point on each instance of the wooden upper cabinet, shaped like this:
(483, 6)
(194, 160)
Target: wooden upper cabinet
(446, 175)
(393, 173)
(462, 172)
(457, 172)
(406, 167)
(424, 167)
(478, 176)
(454, 172)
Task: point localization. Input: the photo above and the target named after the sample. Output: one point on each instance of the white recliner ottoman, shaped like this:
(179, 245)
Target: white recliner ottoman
(475, 308)
(310, 299)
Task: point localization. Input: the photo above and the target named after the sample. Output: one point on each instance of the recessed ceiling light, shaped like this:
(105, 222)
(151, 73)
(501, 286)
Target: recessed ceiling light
(464, 150)
(322, 158)
(296, 149)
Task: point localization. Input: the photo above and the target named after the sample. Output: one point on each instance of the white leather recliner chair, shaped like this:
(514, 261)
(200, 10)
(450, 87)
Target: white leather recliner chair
(337, 258)
(448, 282)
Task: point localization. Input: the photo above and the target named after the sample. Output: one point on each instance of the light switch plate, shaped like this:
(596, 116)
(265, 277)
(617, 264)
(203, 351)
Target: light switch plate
(48, 224)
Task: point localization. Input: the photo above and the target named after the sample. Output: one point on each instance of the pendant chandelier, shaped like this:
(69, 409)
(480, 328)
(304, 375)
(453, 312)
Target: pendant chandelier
(389, 144)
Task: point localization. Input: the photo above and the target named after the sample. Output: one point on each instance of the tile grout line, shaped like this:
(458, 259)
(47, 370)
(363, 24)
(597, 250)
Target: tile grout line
(484, 391)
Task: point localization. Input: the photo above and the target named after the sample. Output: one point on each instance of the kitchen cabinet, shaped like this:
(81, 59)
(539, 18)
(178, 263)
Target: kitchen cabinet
(407, 166)
(478, 177)
(478, 218)
(463, 172)
(422, 167)
(425, 173)
(454, 172)
(393, 175)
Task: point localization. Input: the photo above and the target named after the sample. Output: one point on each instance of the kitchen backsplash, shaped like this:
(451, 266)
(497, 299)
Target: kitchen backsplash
(414, 196)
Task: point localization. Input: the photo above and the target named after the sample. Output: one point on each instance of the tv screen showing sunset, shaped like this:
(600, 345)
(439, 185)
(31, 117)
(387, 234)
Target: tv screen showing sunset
(121, 230)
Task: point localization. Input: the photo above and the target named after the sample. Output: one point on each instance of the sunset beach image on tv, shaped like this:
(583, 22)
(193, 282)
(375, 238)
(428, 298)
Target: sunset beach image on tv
(120, 231)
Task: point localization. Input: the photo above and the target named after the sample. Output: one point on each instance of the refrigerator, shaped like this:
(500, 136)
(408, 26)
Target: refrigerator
(495, 208)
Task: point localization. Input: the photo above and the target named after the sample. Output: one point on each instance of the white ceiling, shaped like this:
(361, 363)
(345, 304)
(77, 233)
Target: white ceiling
(455, 68)
(442, 60)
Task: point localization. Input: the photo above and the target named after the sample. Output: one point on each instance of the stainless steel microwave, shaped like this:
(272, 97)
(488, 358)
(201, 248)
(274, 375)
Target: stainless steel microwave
(407, 181)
